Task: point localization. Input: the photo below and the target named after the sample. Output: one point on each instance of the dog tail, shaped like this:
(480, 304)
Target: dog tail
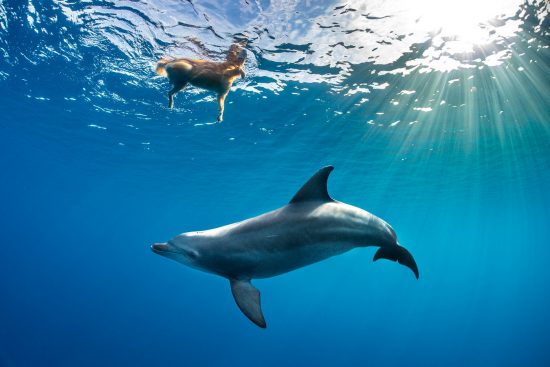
(161, 66)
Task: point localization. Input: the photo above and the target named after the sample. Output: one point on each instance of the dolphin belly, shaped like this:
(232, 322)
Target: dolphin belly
(267, 265)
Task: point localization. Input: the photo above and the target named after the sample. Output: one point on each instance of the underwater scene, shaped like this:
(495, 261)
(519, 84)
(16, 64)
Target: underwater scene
(378, 171)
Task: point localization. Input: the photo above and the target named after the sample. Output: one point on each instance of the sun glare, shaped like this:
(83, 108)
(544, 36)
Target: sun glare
(465, 20)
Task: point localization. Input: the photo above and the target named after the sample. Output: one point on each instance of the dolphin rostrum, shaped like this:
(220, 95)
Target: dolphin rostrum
(311, 228)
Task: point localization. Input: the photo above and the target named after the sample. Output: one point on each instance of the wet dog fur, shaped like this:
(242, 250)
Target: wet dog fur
(214, 76)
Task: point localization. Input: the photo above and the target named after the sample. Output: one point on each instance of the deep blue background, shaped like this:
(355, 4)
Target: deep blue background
(80, 207)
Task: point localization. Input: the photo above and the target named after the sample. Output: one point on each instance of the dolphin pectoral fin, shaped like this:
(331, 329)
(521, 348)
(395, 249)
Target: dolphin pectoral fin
(399, 254)
(248, 300)
(315, 188)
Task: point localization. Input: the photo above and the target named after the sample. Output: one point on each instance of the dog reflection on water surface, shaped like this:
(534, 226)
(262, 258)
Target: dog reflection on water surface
(214, 76)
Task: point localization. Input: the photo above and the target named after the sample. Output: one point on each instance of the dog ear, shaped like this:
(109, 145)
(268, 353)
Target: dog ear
(232, 52)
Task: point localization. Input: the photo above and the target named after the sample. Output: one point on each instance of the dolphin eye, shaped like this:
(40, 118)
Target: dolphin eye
(192, 254)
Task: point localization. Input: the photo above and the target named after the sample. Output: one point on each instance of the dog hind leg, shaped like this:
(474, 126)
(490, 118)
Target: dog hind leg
(172, 92)
(221, 103)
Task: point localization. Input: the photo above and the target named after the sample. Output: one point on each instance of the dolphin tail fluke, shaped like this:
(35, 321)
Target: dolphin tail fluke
(399, 254)
(248, 300)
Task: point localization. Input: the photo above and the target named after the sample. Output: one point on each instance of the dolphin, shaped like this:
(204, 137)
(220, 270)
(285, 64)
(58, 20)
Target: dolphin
(312, 227)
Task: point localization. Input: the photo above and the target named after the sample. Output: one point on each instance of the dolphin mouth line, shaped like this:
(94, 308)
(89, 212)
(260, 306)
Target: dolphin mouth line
(161, 248)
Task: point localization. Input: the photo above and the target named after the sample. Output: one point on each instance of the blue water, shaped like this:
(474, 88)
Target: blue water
(436, 121)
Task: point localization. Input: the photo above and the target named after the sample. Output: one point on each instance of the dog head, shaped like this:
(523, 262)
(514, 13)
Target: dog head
(236, 54)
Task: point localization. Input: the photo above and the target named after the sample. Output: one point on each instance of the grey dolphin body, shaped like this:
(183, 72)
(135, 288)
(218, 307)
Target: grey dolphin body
(311, 228)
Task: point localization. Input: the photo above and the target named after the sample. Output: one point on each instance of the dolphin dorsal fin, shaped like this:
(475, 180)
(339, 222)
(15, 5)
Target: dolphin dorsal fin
(315, 189)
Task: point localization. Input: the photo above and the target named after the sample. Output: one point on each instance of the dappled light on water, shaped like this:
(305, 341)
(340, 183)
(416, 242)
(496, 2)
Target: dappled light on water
(417, 69)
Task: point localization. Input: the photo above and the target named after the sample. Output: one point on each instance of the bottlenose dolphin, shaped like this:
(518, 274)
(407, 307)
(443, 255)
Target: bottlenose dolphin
(310, 228)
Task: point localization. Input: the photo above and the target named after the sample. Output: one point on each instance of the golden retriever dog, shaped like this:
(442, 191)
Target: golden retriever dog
(214, 76)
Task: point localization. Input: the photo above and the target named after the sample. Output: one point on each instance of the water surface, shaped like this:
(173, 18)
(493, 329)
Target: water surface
(435, 114)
